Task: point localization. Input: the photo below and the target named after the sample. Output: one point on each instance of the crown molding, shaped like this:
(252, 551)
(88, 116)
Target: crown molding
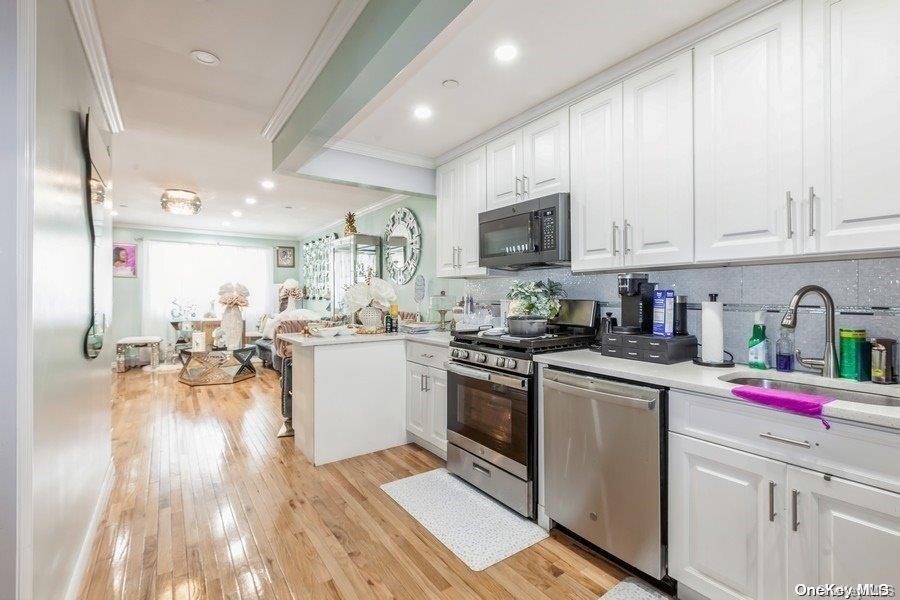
(336, 27)
(403, 158)
(392, 199)
(92, 41)
(683, 41)
(210, 232)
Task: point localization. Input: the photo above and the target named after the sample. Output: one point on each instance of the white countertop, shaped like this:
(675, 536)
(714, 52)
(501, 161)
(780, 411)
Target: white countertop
(434, 338)
(693, 378)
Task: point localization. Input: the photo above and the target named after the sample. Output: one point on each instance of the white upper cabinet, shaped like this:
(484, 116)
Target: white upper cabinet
(841, 531)
(748, 137)
(852, 125)
(726, 521)
(659, 164)
(504, 170)
(596, 196)
(546, 155)
(473, 181)
(460, 188)
(447, 186)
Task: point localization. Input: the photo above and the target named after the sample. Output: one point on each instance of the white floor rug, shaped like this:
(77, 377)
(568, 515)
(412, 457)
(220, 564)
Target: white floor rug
(476, 528)
(632, 588)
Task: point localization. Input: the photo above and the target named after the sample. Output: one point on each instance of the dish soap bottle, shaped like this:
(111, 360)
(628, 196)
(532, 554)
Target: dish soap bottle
(784, 352)
(759, 346)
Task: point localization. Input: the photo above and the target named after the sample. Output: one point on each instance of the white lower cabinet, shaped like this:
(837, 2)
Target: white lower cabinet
(426, 405)
(841, 532)
(726, 524)
(745, 526)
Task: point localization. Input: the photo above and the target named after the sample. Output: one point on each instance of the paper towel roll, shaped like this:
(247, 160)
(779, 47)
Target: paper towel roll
(712, 332)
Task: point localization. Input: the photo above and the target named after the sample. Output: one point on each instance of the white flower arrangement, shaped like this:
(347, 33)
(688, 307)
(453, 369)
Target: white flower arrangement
(376, 292)
(290, 289)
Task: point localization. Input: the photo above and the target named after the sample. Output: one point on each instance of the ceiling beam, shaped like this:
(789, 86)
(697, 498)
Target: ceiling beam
(385, 38)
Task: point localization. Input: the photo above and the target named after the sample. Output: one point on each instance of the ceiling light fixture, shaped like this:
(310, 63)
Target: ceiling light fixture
(237, 214)
(422, 112)
(250, 200)
(450, 84)
(506, 52)
(180, 202)
(267, 184)
(205, 58)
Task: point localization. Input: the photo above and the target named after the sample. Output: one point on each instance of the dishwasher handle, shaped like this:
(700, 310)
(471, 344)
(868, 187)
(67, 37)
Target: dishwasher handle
(600, 396)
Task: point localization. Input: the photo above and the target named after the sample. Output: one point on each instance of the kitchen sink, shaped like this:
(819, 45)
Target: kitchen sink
(820, 390)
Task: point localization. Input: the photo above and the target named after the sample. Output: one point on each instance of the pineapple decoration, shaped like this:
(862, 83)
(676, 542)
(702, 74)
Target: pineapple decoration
(350, 224)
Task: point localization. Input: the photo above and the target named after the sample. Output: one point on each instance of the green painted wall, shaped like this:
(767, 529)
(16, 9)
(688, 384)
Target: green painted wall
(373, 223)
(126, 318)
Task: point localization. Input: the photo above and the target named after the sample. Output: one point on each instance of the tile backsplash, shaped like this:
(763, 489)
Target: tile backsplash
(860, 283)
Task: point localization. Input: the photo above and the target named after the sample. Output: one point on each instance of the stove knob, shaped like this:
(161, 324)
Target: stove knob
(482, 358)
(454, 353)
(463, 354)
(511, 363)
(500, 362)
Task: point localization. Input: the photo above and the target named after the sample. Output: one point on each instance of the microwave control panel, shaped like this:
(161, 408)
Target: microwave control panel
(548, 226)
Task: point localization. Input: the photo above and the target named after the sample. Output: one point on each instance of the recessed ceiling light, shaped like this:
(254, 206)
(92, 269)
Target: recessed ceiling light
(225, 223)
(250, 200)
(205, 58)
(450, 84)
(506, 52)
(267, 184)
(236, 214)
(114, 213)
(422, 112)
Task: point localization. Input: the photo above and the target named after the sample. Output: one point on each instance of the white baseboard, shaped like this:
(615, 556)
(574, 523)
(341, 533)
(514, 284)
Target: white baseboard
(414, 439)
(84, 554)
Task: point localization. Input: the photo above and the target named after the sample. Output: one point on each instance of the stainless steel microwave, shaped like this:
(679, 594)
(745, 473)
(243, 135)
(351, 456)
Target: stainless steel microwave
(529, 234)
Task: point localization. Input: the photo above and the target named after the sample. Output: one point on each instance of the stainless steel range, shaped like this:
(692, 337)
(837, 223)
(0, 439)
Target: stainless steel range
(491, 405)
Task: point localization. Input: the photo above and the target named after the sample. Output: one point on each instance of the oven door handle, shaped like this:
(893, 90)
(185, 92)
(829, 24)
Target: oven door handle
(498, 378)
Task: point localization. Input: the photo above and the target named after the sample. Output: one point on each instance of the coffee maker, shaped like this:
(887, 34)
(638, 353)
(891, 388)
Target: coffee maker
(636, 293)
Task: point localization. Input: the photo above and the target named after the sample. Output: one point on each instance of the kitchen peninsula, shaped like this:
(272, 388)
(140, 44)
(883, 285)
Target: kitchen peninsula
(349, 393)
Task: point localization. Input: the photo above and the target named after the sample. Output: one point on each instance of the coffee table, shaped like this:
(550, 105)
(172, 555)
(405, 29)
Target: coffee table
(216, 367)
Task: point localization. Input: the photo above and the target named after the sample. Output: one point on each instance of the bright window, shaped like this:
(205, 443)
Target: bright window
(190, 274)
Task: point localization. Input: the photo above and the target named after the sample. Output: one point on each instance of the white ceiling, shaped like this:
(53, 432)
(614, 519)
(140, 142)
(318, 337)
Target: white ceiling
(197, 127)
(560, 43)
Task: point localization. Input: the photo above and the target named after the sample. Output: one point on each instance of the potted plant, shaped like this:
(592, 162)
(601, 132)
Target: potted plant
(531, 304)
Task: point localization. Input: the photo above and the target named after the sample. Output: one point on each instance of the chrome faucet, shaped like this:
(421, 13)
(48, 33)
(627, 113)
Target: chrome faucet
(829, 365)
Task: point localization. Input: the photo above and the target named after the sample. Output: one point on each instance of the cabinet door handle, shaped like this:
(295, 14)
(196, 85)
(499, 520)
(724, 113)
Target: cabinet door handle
(518, 181)
(772, 512)
(525, 185)
(625, 227)
(615, 234)
(426, 383)
(790, 215)
(421, 382)
(795, 521)
(812, 211)
(784, 440)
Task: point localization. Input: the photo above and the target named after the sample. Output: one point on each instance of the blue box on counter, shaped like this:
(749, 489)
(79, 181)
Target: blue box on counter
(664, 313)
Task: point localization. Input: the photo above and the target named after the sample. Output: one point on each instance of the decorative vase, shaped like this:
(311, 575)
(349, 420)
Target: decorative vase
(233, 327)
(370, 316)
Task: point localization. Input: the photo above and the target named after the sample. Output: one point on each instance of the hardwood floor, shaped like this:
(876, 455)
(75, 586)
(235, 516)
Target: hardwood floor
(208, 503)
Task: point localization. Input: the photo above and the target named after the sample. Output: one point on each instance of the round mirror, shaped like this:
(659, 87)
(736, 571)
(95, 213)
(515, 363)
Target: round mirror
(402, 246)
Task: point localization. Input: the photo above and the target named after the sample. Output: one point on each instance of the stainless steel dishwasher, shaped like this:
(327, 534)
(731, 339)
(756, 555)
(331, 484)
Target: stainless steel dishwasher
(605, 465)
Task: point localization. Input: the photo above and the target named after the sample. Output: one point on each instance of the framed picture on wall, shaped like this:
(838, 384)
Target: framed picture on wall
(284, 257)
(124, 260)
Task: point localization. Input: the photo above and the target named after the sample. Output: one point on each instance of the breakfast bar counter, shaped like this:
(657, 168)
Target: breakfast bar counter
(349, 393)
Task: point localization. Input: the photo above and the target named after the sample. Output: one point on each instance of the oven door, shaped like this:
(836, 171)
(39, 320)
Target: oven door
(488, 415)
(508, 241)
